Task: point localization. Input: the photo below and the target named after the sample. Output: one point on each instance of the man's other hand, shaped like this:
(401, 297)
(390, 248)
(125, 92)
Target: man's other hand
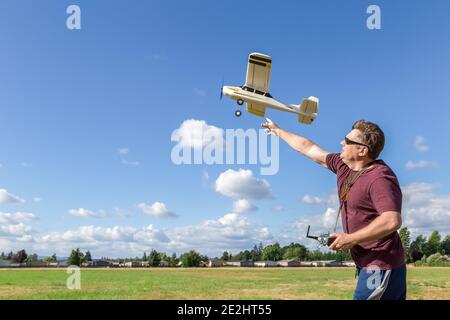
(343, 241)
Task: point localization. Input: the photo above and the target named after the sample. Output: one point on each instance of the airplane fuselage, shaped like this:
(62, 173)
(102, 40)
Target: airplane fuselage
(237, 93)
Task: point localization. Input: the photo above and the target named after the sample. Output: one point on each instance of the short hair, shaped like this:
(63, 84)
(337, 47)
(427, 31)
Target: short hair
(372, 136)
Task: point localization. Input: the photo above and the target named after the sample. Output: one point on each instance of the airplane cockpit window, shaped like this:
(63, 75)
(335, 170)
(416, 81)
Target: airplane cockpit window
(265, 94)
(248, 89)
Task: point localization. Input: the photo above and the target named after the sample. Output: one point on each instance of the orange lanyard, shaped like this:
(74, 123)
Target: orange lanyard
(344, 194)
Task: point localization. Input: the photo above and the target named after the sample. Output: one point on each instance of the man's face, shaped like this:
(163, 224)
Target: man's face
(352, 152)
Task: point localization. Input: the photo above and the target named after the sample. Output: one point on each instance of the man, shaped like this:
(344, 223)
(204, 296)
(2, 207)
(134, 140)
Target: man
(370, 207)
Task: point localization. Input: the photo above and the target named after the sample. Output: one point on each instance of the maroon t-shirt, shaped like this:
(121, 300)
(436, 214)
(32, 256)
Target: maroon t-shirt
(376, 191)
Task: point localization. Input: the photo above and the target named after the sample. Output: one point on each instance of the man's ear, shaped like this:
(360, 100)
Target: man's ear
(364, 151)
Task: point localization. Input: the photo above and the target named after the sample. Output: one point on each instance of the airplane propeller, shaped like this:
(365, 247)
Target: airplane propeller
(221, 91)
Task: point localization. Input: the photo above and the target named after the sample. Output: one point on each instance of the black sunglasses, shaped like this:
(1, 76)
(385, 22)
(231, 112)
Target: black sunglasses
(348, 141)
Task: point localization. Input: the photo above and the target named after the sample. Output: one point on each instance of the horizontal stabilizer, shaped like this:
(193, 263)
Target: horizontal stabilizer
(308, 110)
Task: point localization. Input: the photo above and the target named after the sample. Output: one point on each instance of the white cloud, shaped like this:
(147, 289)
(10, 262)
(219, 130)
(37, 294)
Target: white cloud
(157, 209)
(123, 151)
(81, 212)
(14, 229)
(92, 234)
(117, 241)
(120, 213)
(232, 232)
(36, 199)
(330, 200)
(197, 134)
(17, 217)
(150, 234)
(419, 143)
(242, 185)
(131, 163)
(243, 206)
(424, 211)
(420, 165)
(278, 209)
(320, 224)
(199, 92)
(6, 197)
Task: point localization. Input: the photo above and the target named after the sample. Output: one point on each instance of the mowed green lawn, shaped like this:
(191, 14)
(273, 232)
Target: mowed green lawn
(205, 283)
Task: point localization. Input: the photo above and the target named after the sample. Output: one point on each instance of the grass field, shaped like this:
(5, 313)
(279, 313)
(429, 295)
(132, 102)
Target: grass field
(204, 283)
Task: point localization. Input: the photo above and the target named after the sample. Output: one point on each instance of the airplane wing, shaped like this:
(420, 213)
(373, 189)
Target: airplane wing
(256, 109)
(258, 72)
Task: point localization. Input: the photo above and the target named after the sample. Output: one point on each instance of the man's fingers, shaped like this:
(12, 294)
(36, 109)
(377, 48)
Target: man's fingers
(334, 245)
(332, 242)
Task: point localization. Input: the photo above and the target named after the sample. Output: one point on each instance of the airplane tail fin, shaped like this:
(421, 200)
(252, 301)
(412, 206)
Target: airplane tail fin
(308, 110)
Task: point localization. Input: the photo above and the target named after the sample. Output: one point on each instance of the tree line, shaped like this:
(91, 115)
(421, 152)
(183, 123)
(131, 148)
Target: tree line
(423, 251)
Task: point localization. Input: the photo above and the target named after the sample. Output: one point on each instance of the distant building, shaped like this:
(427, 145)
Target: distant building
(242, 263)
(15, 265)
(266, 263)
(216, 263)
(36, 264)
(132, 264)
(5, 263)
(327, 263)
(322, 263)
(87, 264)
(100, 263)
(348, 264)
(163, 264)
(289, 263)
(62, 264)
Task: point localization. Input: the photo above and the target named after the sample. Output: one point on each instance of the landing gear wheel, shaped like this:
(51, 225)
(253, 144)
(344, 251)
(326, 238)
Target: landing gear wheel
(240, 102)
(237, 113)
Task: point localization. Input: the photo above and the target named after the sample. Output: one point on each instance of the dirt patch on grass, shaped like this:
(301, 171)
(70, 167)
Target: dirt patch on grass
(8, 292)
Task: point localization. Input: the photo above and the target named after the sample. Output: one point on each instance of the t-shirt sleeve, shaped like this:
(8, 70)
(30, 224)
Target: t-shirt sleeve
(386, 194)
(333, 161)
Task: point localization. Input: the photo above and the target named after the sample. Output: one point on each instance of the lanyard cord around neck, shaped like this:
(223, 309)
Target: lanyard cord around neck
(344, 195)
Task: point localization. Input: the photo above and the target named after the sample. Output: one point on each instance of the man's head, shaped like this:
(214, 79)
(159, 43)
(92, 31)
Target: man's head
(366, 140)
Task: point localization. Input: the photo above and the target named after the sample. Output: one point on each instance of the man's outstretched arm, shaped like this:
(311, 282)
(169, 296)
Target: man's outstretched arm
(299, 143)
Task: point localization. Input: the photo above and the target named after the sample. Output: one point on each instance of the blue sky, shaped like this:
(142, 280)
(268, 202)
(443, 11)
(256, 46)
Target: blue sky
(87, 116)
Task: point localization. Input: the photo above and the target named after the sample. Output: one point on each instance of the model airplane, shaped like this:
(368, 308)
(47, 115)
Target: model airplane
(255, 92)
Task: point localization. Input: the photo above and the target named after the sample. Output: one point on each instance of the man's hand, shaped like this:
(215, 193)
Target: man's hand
(344, 241)
(271, 127)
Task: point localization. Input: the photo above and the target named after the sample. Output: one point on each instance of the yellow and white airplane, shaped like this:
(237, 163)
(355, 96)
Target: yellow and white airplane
(255, 92)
